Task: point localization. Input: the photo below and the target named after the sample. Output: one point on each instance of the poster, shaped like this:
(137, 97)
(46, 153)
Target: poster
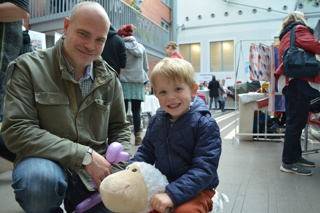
(56, 37)
(38, 40)
(317, 31)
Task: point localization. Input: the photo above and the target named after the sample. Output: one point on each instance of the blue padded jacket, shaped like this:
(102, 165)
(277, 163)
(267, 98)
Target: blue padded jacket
(186, 152)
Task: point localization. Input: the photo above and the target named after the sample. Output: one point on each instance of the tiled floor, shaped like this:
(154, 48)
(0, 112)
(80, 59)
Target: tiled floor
(249, 175)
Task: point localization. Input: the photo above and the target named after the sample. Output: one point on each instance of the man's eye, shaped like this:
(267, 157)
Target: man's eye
(101, 40)
(82, 34)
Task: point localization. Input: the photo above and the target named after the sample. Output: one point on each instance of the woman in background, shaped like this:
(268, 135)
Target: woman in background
(134, 77)
(171, 50)
(297, 92)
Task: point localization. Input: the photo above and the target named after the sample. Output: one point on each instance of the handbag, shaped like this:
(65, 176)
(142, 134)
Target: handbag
(299, 63)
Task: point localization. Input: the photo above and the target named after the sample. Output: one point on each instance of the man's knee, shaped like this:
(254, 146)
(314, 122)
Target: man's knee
(39, 182)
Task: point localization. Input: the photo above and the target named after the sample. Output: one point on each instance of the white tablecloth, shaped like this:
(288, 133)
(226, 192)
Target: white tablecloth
(150, 105)
(205, 92)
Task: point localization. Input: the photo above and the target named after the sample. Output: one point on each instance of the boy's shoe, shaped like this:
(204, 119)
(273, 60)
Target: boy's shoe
(303, 162)
(295, 169)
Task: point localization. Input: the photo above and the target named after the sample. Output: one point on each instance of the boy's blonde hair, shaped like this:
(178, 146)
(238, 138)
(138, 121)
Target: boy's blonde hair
(175, 69)
(295, 16)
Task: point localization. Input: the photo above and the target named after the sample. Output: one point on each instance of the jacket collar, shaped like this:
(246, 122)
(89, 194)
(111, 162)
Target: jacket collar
(102, 72)
(290, 26)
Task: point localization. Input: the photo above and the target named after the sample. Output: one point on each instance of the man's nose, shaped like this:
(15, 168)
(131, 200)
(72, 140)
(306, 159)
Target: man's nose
(90, 44)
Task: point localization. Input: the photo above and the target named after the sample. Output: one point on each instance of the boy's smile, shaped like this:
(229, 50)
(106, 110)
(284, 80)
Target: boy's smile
(174, 96)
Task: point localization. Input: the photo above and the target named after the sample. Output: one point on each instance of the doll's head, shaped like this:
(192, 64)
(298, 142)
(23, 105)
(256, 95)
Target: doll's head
(130, 190)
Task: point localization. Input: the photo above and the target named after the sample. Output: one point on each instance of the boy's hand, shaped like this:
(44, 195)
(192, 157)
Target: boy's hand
(161, 202)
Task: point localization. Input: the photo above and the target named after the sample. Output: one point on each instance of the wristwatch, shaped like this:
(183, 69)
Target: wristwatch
(88, 157)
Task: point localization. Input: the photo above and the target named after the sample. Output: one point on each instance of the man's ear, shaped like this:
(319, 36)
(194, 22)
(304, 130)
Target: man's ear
(65, 24)
(194, 90)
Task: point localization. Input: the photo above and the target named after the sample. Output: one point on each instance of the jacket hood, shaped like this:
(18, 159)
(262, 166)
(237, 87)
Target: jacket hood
(112, 32)
(290, 26)
(196, 106)
(133, 46)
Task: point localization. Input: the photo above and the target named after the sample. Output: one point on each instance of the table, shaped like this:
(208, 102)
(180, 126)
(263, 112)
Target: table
(150, 105)
(247, 106)
(205, 92)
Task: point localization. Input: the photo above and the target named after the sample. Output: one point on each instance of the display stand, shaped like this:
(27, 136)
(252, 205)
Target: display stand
(306, 140)
(246, 110)
(305, 136)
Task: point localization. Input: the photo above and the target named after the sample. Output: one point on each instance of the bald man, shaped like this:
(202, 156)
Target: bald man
(63, 107)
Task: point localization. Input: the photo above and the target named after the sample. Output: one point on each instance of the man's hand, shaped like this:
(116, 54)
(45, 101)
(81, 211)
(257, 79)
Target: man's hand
(98, 169)
(161, 202)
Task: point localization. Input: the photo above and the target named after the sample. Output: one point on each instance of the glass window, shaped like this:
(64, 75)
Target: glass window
(165, 25)
(191, 53)
(221, 56)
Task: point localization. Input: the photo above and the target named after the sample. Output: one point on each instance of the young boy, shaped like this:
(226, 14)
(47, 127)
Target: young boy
(182, 140)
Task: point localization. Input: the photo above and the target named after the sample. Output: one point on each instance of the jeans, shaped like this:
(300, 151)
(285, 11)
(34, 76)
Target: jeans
(216, 99)
(297, 112)
(223, 102)
(41, 185)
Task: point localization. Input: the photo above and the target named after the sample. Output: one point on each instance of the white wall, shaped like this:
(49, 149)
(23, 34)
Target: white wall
(259, 27)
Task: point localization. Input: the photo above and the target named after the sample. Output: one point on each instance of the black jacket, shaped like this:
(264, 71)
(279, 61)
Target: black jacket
(114, 52)
(214, 88)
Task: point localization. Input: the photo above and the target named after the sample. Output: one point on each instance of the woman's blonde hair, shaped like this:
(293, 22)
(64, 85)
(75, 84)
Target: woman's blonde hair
(295, 16)
(175, 69)
(172, 44)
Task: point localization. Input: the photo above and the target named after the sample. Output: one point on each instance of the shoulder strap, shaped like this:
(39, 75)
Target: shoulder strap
(292, 36)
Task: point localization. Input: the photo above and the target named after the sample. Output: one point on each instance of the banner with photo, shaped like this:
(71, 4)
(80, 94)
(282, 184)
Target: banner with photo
(38, 40)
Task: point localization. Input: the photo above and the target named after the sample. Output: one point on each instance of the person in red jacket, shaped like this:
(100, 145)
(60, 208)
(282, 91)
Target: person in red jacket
(171, 50)
(298, 94)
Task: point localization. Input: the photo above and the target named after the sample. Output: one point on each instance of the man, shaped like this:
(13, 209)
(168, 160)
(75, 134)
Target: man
(11, 15)
(214, 86)
(63, 107)
(114, 52)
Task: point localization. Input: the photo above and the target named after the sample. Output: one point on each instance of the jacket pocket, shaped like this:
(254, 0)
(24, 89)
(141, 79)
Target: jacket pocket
(55, 113)
(101, 104)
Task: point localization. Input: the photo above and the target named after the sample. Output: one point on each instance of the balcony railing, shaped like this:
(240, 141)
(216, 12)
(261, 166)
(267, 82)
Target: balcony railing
(146, 31)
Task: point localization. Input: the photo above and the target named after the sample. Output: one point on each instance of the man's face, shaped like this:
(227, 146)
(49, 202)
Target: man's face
(85, 39)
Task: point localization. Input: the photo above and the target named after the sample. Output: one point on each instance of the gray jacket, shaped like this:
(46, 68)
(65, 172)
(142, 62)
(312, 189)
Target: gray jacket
(137, 62)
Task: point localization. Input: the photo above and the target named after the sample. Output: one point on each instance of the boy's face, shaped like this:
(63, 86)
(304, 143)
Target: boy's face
(174, 96)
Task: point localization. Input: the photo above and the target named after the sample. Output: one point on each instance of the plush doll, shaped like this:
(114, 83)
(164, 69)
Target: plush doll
(130, 190)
